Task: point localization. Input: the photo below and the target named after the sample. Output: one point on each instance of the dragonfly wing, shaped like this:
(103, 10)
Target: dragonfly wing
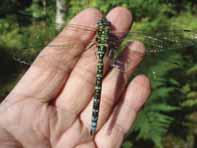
(114, 55)
(120, 65)
(164, 41)
(27, 57)
(58, 53)
(84, 28)
(115, 52)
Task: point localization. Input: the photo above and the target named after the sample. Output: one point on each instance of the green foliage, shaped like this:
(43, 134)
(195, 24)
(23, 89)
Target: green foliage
(127, 144)
(8, 6)
(153, 121)
(169, 112)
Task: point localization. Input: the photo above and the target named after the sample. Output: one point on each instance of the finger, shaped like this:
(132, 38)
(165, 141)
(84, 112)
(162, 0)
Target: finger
(87, 145)
(7, 140)
(80, 85)
(52, 67)
(112, 133)
(114, 84)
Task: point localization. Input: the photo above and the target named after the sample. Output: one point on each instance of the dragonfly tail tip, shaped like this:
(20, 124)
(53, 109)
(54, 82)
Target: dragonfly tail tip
(92, 132)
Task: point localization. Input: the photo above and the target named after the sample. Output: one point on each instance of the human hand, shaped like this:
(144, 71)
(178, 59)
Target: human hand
(51, 105)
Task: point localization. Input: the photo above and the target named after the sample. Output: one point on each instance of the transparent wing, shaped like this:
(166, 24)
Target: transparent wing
(163, 41)
(70, 44)
(159, 41)
(81, 27)
(58, 52)
(156, 43)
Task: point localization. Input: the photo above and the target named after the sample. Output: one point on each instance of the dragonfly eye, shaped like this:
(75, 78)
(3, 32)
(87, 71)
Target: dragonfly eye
(103, 22)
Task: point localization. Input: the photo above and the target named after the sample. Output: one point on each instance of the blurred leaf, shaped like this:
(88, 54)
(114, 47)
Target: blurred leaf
(192, 70)
(127, 144)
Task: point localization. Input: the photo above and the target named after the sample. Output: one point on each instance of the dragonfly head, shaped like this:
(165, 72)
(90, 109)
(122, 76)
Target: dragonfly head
(103, 22)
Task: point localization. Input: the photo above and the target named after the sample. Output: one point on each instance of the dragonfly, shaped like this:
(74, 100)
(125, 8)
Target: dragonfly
(108, 41)
(102, 38)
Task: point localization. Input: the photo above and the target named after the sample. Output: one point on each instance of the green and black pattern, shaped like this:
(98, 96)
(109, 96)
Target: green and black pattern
(102, 38)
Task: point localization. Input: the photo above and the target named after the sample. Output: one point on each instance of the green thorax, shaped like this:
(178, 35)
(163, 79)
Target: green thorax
(104, 27)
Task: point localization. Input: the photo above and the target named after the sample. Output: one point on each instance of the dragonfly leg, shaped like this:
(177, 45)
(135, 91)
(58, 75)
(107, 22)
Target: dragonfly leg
(91, 44)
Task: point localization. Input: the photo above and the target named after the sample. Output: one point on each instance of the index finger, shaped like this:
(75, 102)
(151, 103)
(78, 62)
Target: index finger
(51, 68)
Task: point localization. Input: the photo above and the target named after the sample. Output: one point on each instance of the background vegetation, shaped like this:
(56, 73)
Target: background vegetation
(169, 118)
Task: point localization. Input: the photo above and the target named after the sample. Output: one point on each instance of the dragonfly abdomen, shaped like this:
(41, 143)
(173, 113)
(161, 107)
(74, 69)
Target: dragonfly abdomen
(97, 96)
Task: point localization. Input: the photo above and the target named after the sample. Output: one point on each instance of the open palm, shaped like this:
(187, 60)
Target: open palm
(51, 105)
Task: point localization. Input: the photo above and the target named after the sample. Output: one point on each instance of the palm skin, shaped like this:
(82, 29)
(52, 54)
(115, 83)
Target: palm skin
(51, 105)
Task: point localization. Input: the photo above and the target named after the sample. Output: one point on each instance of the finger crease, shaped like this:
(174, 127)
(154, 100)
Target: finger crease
(119, 129)
(106, 103)
(85, 75)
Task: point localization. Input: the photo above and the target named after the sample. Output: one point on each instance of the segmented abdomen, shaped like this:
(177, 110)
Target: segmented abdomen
(97, 95)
